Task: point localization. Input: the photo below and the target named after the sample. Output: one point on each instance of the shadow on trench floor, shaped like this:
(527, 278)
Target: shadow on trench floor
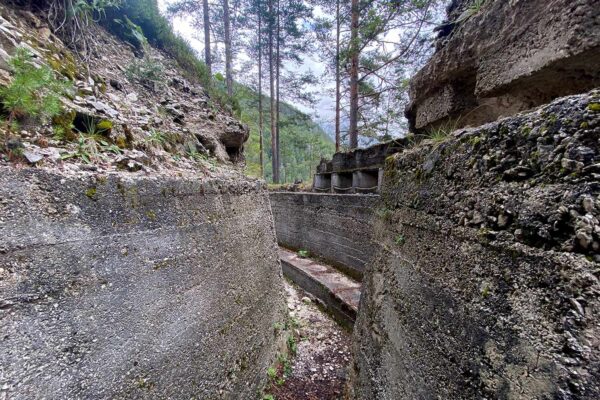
(318, 371)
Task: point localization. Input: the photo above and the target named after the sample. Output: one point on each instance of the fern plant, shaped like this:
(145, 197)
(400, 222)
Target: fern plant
(33, 92)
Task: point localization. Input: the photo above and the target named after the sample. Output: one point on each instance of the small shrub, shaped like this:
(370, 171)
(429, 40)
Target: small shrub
(90, 148)
(292, 346)
(472, 10)
(303, 253)
(34, 92)
(400, 240)
(272, 373)
(157, 137)
(95, 128)
(385, 214)
(145, 71)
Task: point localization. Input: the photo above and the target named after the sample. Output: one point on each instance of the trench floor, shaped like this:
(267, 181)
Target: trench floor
(318, 371)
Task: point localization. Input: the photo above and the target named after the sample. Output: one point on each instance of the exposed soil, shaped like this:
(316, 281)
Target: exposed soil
(319, 369)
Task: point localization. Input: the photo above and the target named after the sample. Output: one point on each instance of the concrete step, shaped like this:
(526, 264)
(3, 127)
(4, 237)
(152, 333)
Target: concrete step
(337, 292)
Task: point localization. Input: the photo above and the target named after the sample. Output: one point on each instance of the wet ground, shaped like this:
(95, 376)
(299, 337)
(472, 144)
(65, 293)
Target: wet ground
(318, 371)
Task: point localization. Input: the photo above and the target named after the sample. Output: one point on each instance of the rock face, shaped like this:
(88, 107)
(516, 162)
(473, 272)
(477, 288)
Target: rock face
(121, 287)
(487, 284)
(506, 57)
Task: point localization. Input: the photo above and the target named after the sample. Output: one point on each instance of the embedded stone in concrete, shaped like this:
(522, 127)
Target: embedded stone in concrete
(506, 57)
(122, 287)
(336, 228)
(337, 292)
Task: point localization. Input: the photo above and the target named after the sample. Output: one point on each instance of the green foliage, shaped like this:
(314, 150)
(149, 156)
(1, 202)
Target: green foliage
(486, 291)
(33, 92)
(71, 19)
(272, 372)
(303, 253)
(400, 240)
(472, 10)
(303, 143)
(92, 9)
(157, 137)
(95, 128)
(292, 346)
(438, 134)
(594, 107)
(145, 71)
(90, 148)
(285, 364)
(145, 15)
(441, 132)
(385, 213)
(278, 326)
(130, 32)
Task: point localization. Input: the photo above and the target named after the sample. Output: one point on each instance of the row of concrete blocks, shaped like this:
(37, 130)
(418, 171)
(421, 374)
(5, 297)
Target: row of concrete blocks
(347, 182)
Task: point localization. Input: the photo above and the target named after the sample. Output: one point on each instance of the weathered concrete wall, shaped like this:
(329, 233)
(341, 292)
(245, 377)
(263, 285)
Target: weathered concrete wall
(336, 228)
(487, 282)
(113, 287)
(506, 57)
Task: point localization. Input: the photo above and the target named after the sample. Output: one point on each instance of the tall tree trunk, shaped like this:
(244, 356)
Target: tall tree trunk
(272, 95)
(337, 77)
(277, 64)
(206, 17)
(228, 56)
(260, 108)
(354, 56)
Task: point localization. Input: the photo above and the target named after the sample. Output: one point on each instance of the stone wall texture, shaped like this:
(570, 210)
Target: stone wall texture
(335, 228)
(505, 57)
(487, 282)
(115, 287)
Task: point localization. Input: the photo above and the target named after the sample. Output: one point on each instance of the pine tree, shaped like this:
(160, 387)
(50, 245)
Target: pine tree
(206, 26)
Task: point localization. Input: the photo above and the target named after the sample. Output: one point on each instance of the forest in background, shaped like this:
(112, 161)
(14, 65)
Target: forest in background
(369, 48)
(303, 142)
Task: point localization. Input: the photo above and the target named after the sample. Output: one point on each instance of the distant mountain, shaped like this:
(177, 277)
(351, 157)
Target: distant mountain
(303, 142)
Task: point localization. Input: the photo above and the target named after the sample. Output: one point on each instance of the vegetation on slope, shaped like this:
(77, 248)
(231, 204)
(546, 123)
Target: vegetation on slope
(139, 22)
(303, 143)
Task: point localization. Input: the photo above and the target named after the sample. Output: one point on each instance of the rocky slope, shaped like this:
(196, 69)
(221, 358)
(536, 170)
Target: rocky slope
(149, 116)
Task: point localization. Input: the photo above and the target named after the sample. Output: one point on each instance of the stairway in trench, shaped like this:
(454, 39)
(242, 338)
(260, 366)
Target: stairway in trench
(335, 291)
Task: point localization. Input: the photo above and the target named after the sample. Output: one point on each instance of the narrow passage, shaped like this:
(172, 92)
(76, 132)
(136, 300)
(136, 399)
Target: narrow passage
(318, 371)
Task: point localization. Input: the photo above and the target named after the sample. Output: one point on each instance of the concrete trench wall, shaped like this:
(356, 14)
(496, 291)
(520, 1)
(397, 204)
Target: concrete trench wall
(336, 228)
(486, 282)
(113, 287)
